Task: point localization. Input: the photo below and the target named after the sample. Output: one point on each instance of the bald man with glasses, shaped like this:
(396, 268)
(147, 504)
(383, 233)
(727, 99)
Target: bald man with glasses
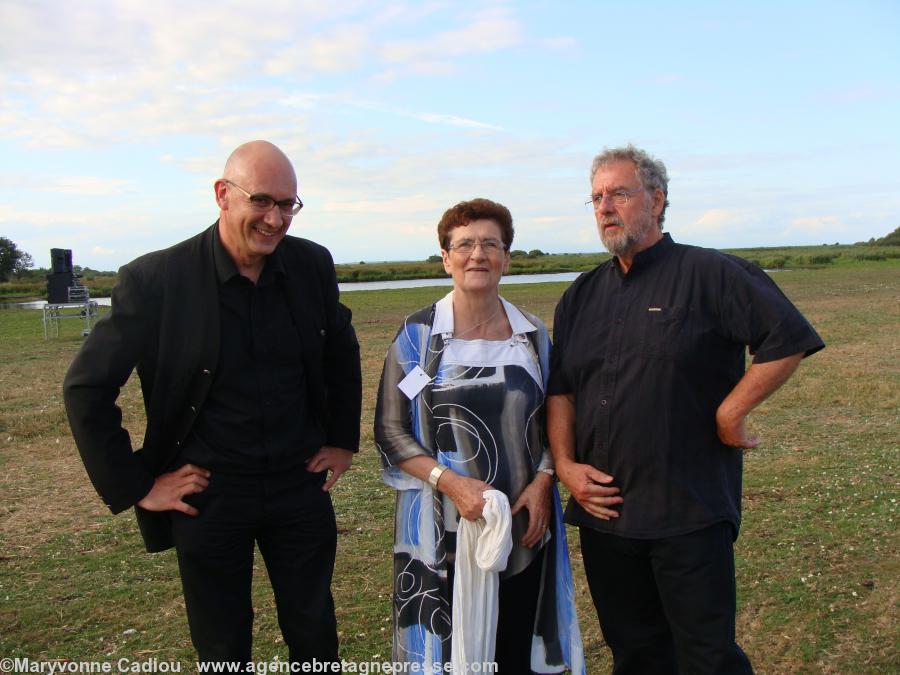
(249, 367)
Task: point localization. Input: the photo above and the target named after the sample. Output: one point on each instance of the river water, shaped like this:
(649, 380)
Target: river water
(354, 286)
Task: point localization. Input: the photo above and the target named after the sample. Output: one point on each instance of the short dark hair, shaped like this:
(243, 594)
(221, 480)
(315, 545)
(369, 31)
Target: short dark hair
(476, 209)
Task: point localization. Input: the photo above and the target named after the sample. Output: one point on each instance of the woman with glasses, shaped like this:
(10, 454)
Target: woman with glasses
(460, 411)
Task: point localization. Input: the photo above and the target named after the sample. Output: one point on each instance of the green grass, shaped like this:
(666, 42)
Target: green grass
(816, 560)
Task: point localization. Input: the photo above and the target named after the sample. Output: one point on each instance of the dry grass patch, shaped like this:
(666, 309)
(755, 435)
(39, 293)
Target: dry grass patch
(816, 560)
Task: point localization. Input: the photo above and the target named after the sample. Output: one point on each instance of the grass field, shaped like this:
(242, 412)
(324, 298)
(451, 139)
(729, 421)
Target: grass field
(817, 561)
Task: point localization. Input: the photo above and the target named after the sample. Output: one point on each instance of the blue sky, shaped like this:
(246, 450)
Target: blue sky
(779, 121)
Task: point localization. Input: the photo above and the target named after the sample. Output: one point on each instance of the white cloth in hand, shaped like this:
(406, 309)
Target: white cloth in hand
(482, 549)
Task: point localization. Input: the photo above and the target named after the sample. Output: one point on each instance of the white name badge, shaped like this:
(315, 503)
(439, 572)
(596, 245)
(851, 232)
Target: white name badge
(414, 382)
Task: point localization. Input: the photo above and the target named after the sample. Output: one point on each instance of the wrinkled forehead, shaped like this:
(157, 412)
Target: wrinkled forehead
(618, 174)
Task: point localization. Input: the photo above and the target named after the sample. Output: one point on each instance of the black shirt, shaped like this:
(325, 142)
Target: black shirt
(255, 418)
(649, 356)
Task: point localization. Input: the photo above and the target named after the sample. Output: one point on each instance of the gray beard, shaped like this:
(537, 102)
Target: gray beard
(622, 244)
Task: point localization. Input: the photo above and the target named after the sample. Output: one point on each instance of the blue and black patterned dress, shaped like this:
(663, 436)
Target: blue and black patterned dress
(482, 415)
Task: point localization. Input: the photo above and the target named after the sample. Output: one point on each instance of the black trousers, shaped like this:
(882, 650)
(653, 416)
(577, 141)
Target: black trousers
(292, 520)
(666, 605)
(517, 600)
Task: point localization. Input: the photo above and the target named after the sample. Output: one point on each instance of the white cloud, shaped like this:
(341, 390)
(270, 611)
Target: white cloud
(718, 221)
(384, 77)
(12, 216)
(395, 206)
(99, 239)
(89, 186)
(431, 118)
(492, 30)
(93, 74)
(341, 49)
(357, 94)
(102, 223)
(819, 228)
(815, 223)
(432, 68)
(93, 186)
(302, 100)
(454, 120)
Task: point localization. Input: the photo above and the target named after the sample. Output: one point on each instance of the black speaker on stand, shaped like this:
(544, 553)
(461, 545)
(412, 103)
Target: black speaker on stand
(58, 287)
(61, 260)
(61, 277)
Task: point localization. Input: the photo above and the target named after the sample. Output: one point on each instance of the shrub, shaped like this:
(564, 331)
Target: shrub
(774, 263)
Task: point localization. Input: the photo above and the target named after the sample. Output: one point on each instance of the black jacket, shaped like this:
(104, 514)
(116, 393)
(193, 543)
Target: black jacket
(165, 321)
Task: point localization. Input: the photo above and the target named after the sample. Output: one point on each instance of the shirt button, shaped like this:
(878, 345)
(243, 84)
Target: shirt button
(603, 402)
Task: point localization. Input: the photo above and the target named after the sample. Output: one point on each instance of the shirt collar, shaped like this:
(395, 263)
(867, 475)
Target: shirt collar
(649, 255)
(443, 317)
(226, 269)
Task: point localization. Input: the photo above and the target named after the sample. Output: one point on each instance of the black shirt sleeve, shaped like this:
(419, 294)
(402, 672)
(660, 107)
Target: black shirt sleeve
(755, 312)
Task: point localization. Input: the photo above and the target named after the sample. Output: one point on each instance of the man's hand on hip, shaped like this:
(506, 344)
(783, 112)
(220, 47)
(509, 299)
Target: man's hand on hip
(588, 486)
(169, 488)
(330, 457)
(757, 384)
(732, 429)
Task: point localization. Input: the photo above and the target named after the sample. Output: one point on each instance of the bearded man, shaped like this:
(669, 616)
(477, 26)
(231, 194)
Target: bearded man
(647, 405)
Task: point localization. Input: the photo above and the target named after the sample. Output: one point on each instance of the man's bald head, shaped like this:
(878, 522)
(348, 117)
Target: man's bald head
(258, 160)
(256, 172)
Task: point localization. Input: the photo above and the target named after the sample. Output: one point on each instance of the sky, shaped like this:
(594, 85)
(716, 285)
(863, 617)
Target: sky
(779, 122)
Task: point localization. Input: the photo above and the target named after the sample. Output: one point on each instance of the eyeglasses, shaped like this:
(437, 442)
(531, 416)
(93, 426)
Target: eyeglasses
(618, 197)
(467, 246)
(263, 202)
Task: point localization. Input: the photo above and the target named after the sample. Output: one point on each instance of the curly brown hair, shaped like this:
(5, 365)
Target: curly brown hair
(476, 209)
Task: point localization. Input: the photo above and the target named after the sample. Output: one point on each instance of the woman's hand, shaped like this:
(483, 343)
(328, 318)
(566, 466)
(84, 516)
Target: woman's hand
(465, 493)
(536, 498)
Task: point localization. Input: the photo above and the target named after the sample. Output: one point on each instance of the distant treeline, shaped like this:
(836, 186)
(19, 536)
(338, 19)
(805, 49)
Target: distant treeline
(551, 263)
(530, 263)
(32, 284)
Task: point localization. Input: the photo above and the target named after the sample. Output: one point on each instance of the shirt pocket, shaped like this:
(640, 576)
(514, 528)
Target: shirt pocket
(664, 328)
